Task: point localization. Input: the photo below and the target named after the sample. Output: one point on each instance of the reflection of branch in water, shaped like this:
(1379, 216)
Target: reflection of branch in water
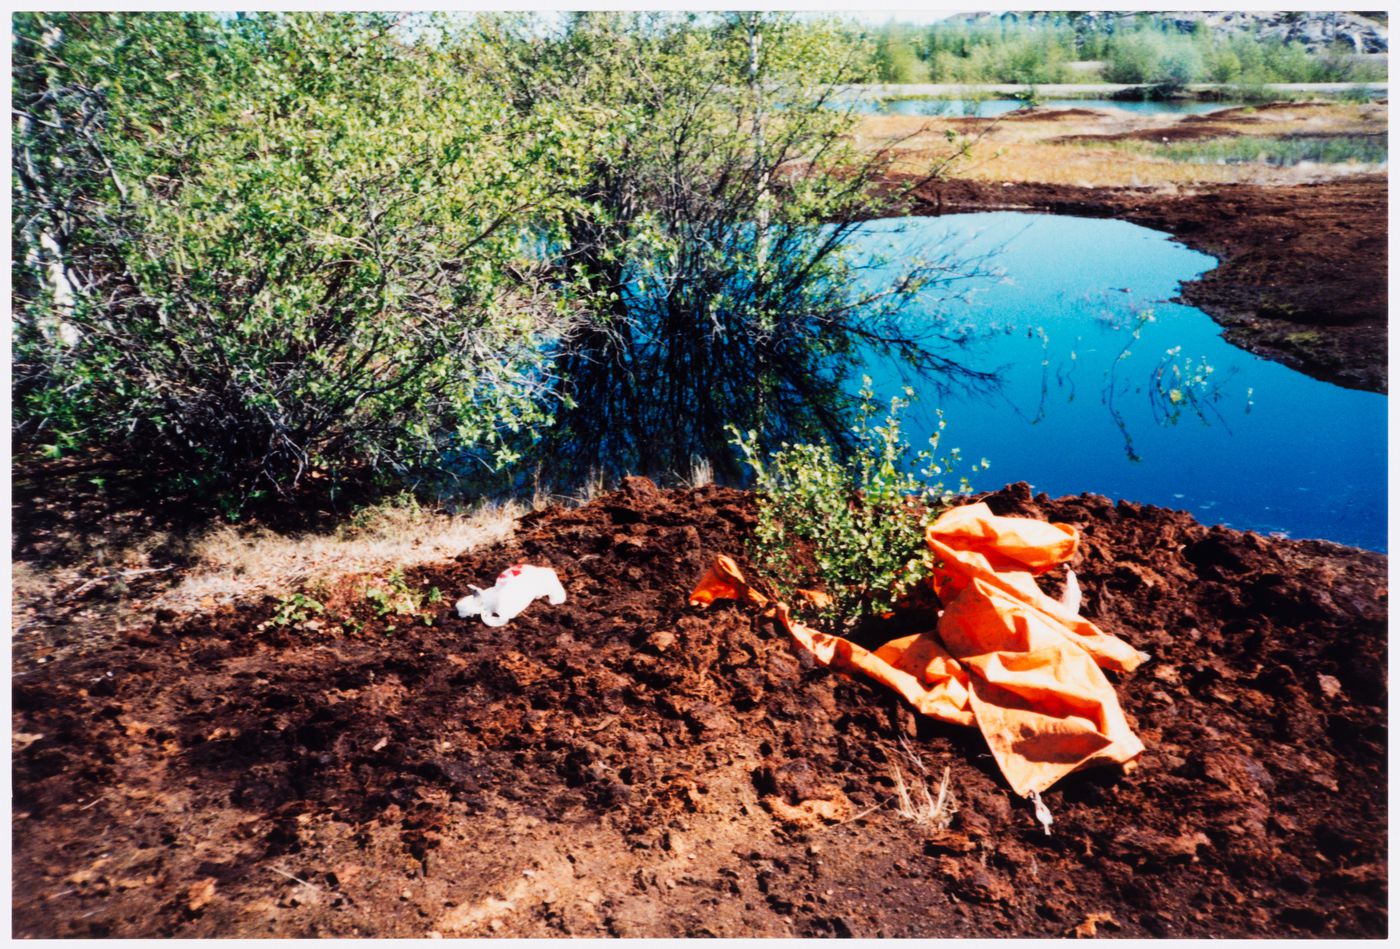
(1143, 318)
(1064, 378)
(1044, 380)
(1190, 386)
(1118, 418)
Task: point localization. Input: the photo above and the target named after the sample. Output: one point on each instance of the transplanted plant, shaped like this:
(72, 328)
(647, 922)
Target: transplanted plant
(861, 519)
(393, 596)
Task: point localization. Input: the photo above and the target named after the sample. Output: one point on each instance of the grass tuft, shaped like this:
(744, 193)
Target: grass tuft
(701, 474)
(915, 800)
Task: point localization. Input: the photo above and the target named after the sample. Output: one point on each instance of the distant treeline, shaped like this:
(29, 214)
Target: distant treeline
(1144, 49)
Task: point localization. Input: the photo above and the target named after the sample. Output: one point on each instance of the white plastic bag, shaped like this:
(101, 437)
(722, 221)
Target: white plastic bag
(1073, 597)
(516, 588)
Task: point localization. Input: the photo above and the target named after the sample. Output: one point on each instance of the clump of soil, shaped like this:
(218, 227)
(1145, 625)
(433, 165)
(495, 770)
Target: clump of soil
(1303, 269)
(1245, 113)
(627, 765)
(1050, 115)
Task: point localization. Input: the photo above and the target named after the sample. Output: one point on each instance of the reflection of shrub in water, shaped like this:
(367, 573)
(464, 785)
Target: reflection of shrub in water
(1180, 385)
(1174, 386)
(711, 255)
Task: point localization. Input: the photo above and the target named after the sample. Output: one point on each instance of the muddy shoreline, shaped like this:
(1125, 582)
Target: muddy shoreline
(626, 765)
(1302, 277)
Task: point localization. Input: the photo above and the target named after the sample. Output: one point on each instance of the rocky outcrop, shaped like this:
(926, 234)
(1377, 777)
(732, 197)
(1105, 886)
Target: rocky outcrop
(1318, 31)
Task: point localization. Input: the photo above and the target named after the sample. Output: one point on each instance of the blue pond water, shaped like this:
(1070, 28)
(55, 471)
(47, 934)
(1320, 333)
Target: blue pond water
(990, 108)
(1085, 406)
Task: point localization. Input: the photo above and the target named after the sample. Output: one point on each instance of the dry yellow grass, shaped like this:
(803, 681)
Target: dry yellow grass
(918, 803)
(1027, 150)
(229, 563)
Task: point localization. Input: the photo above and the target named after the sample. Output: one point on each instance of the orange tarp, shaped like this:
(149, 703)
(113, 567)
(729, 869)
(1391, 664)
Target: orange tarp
(1016, 663)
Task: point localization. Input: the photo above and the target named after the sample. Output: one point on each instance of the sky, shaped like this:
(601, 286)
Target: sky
(877, 17)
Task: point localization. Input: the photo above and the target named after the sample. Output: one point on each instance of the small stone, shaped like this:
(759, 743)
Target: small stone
(661, 640)
(948, 843)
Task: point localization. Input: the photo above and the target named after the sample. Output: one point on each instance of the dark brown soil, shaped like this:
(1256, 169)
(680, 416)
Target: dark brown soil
(1048, 115)
(626, 765)
(1250, 113)
(1303, 269)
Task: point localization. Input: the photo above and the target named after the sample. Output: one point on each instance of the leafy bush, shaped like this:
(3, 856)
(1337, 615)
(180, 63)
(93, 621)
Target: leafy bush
(1020, 59)
(1000, 53)
(862, 519)
(262, 248)
(1222, 64)
(1357, 95)
(1177, 68)
(709, 246)
(1145, 49)
(1169, 61)
(896, 59)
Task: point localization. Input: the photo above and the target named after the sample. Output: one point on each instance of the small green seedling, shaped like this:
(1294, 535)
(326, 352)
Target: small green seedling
(295, 609)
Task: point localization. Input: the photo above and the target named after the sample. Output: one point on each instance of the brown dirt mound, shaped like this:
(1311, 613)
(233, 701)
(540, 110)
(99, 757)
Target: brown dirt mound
(1168, 133)
(626, 765)
(1247, 112)
(1239, 115)
(1051, 115)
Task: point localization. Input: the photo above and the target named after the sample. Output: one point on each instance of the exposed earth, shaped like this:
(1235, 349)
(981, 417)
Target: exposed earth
(627, 765)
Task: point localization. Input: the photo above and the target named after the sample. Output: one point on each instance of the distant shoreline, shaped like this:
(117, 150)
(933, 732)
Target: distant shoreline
(1083, 90)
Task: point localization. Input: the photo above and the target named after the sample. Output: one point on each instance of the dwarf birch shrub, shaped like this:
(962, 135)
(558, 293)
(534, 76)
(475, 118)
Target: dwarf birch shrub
(862, 517)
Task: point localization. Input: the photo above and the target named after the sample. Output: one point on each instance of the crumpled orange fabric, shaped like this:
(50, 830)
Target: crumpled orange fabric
(1006, 657)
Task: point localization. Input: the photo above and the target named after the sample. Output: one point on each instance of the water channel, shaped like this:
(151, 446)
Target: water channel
(990, 108)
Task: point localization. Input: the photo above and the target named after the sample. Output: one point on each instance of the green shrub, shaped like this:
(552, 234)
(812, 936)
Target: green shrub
(1028, 96)
(1357, 95)
(257, 249)
(1146, 49)
(896, 59)
(1222, 64)
(711, 248)
(862, 518)
(394, 597)
(1133, 58)
(295, 609)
